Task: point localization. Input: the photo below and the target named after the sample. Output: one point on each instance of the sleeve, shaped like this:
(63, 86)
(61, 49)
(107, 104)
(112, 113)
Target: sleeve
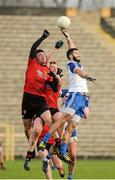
(53, 83)
(73, 66)
(34, 47)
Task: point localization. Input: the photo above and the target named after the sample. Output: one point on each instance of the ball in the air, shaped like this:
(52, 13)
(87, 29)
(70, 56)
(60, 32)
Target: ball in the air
(63, 22)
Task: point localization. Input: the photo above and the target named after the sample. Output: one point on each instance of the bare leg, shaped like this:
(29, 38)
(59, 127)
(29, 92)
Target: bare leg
(56, 118)
(72, 147)
(59, 165)
(66, 138)
(46, 116)
(48, 174)
(37, 129)
(71, 126)
(27, 127)
(64, 118)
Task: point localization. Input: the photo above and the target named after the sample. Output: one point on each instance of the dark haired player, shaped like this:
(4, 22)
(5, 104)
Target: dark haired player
(76, 105)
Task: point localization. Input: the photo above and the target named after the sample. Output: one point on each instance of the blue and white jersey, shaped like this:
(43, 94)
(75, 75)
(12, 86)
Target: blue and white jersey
(76, 83)
(64, 92)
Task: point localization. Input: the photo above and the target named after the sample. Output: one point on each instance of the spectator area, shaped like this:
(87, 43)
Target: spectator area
(108, 24)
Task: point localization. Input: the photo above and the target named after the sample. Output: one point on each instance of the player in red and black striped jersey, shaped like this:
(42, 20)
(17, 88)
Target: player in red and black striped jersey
(36, 77)
(39, 127)
(51, 99)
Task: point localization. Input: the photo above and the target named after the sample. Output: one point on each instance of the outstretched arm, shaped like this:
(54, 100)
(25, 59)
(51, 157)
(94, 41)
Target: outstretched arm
(82, 74)
(37, 43)
(50, 55)
(68, 38)
(58, 45)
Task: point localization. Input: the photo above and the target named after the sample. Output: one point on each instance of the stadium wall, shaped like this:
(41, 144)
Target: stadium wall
(80, 4)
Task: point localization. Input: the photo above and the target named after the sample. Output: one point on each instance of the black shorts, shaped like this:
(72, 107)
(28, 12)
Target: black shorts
(33, 105)
(53, 110)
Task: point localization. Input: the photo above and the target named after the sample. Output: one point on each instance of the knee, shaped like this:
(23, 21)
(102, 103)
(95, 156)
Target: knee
(74, 124)
(47, 118)
(37, 130)
(66, 118)
(49, 123)
(27, 125)
(34, 134)
(71, 128)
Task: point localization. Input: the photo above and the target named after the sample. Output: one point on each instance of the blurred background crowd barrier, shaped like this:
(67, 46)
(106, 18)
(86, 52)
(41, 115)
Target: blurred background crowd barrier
(93, 31)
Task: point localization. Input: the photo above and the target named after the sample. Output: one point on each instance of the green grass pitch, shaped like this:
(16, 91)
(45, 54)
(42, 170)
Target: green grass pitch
(86, 169)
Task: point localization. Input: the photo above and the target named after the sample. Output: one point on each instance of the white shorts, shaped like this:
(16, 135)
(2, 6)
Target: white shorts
(76, 105)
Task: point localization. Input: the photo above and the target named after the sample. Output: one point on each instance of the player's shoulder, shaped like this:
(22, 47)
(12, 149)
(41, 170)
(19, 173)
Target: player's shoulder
(74, 63)
(70, 62)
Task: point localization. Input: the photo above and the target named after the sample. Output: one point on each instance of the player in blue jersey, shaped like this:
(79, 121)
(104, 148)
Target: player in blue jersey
(77, 102)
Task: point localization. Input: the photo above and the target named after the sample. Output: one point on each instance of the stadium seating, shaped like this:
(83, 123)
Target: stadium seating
(17, 33)
(108, 24)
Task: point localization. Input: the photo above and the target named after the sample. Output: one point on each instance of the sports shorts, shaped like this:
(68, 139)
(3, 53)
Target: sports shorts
(53, 110)
(33, 105)
(76, 104)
